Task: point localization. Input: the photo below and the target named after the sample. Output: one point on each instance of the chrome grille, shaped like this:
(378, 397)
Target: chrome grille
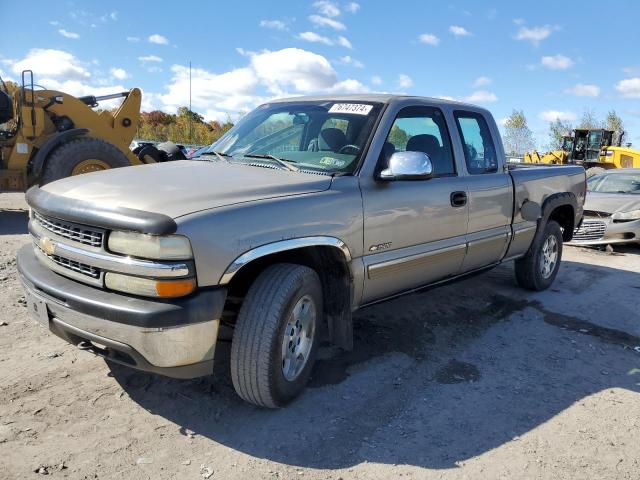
(590, 230)
(83, 268)
(77, 233)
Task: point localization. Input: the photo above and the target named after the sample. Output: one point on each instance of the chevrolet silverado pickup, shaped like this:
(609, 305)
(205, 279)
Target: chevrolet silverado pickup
(306, 210)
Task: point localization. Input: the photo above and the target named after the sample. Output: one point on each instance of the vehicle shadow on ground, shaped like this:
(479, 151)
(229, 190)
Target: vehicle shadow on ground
(435, 378)
(13, 222)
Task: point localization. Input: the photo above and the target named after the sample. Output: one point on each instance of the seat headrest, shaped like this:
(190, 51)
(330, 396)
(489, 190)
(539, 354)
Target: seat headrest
(423, 143)
(332, 139)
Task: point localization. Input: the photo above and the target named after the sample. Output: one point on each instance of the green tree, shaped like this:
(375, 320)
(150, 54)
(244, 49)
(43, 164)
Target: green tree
(615, 123)
(590, 121)
(398, 137)
(557, 130)
(518, 137)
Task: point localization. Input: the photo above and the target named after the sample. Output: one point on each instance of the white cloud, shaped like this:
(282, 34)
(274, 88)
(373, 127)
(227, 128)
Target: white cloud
(352, 7)
(67, 34)
(482, 81)
(55, 23)
(376, 80)
(534, 34)
(404, 81)
(556, 62)
(429, 39)
(583, 90)
(275, 24)
(481, 96)
(349, 85)
(158, 39)
(119, 73)
(629, 88)
(518, 21)
(51, 63)
(315, 38)
(348, 60)
(553, 115)
(327, 8)
(344, 42)
(113, 16)
(133, 39)
(150, 58)
(327, 22)
(459, 31)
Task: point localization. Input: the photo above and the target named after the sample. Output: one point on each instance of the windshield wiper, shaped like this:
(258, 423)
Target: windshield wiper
(281, 161)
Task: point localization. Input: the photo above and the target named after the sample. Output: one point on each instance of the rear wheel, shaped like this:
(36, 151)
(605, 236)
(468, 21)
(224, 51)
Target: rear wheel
(538, 268)
(276, 335)
(82, 155)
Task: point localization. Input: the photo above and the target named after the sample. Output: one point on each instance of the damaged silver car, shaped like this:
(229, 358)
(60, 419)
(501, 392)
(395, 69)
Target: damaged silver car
(611, 210)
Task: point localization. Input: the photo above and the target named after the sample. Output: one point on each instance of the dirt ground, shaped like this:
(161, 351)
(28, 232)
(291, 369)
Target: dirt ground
(477, 379)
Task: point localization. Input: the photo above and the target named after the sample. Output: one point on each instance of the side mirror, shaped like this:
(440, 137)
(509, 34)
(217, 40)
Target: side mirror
(408, 166)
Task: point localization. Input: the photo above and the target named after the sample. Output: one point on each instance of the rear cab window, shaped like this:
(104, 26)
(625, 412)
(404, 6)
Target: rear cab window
(477, 142)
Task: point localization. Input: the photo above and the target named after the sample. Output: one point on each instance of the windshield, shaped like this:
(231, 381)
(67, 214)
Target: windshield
(615, 183)
(325, 135)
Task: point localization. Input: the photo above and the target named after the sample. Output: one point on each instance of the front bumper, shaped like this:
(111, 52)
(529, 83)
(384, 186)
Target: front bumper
(174, 338)
(603, 231)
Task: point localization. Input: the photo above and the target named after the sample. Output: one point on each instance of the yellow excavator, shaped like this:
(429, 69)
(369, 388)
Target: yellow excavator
(46, 135)
(594, 149)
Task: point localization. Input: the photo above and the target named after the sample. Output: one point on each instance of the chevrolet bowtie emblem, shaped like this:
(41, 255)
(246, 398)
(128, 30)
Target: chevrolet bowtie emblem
(47, 245)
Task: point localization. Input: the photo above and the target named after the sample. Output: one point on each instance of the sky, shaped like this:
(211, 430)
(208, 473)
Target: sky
(550, 59)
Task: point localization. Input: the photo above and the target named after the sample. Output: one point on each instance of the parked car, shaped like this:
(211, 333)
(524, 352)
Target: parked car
(308, 209)
(612, 209)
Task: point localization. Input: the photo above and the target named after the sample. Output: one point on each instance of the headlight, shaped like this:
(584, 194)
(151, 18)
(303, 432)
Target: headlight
(609, 153)
(626, 216)
(157, 247)
(149, 287)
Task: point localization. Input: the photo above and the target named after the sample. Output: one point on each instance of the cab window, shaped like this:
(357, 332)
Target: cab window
(422, 129)
(477, 142)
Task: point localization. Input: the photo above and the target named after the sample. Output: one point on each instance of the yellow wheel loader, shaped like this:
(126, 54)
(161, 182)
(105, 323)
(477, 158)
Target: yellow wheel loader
(593, 149)
(46, 135)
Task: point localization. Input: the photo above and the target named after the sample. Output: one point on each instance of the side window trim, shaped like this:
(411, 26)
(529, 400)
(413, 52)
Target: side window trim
(445, 137)
(482, 122)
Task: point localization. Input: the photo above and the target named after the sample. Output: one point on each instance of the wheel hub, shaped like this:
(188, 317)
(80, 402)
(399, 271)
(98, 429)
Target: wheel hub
(549, 256)
(89, 165)
(297, 337)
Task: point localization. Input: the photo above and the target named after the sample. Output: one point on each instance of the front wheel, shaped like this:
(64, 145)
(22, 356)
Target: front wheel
(276, 335)
(538, 268)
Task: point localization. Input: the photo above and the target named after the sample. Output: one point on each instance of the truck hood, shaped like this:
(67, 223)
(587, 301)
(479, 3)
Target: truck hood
(611, 202)
(182, 187)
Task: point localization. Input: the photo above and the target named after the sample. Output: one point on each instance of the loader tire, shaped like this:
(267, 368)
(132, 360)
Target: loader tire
(595, 171)
(82, 155)
(276, 335)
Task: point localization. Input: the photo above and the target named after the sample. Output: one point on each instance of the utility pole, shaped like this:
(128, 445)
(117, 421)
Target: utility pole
(190, 114)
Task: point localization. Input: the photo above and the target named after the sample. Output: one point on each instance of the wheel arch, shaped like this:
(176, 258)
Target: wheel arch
(43, 153)
(328, 256)
(561, 208)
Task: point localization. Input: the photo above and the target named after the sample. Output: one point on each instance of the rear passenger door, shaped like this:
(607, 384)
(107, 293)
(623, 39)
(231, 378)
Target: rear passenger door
(413, 235)
(489, 189)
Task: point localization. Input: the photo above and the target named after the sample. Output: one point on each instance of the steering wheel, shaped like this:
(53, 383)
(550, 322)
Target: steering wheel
(355, 148)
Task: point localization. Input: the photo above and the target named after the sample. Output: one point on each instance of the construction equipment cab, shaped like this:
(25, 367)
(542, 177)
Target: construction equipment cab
(46, 135)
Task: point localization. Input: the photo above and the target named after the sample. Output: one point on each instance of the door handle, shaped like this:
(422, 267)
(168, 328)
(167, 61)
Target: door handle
(458, 199)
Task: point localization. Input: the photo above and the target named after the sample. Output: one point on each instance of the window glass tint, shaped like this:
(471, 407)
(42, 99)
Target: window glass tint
(422, 129)
(479, 150)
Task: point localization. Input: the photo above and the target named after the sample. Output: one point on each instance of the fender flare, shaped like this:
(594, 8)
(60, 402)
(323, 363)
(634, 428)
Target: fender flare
(278, 247)
(43, 152)
(550, 204)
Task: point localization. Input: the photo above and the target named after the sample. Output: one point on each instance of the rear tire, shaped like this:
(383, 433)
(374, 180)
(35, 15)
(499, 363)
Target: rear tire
(538, 268)
(82, 155)
(595, 171)
(276, 335)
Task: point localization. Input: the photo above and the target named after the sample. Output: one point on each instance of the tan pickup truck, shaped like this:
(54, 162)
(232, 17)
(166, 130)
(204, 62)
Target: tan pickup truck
(308, 209)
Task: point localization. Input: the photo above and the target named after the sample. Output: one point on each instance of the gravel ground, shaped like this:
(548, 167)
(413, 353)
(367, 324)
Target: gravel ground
(477, 379)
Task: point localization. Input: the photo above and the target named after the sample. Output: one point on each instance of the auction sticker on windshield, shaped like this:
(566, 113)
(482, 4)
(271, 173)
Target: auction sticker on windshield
(357, 108)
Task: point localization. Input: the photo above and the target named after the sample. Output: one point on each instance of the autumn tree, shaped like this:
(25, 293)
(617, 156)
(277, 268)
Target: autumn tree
(518, 137)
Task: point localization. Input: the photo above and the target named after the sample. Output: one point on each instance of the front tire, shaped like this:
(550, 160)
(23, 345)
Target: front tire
(276, 335)
(82, 155)
(538, 268)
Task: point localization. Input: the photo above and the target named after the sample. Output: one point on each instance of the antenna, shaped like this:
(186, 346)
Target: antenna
(190, 114)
